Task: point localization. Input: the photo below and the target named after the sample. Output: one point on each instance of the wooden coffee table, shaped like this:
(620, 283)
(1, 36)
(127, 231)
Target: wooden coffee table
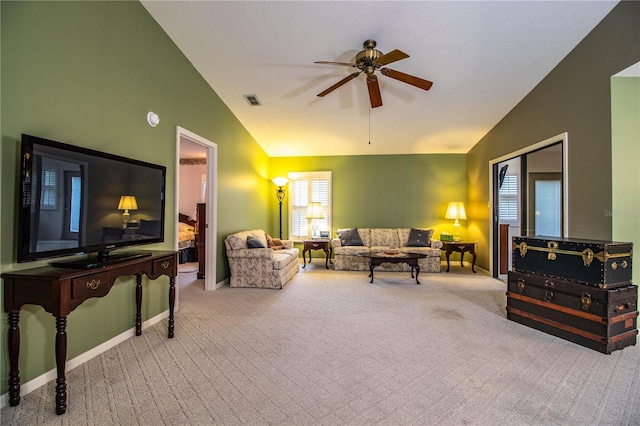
(377, 259)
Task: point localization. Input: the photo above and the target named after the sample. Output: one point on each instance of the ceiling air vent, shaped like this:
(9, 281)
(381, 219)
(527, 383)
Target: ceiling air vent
(253, 100)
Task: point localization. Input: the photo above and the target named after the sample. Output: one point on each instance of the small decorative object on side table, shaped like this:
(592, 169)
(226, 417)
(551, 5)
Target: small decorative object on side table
(317, 245)
(460, 247)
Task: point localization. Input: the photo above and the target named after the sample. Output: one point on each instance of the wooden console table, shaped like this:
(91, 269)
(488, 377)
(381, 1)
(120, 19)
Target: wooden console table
(60, 290)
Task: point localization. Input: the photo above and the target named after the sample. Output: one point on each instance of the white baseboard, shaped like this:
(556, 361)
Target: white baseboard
(217, 285)
(50, 375)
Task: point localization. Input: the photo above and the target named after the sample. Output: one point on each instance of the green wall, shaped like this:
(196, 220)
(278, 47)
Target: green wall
(383, 191)
(575, 98)
(625, 153)
(87, 73)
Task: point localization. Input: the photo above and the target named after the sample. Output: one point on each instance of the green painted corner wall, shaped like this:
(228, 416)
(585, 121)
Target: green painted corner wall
(625, 156)
(87, 73)
(575, 97)
(382, 191)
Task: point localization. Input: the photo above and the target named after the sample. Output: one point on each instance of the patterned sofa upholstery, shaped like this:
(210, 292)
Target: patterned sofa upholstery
(380, 239)
(259, 267)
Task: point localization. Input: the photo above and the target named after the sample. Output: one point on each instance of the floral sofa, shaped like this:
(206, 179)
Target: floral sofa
(254, 262)
(351, 242)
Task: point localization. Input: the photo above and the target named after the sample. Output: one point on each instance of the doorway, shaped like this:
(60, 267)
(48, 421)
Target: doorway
(206, 193)
(528, 197)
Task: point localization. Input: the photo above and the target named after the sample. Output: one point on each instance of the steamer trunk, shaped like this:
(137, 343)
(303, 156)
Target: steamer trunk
(601, 319)
(602, 264)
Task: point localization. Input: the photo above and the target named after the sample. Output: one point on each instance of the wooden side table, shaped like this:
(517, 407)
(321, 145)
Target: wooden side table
(317, 245)
(462, 248)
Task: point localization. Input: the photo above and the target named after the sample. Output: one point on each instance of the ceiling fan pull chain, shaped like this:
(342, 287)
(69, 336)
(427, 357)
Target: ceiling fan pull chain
(369, 124)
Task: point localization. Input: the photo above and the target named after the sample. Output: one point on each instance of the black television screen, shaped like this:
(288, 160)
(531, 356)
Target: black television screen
(75, 200)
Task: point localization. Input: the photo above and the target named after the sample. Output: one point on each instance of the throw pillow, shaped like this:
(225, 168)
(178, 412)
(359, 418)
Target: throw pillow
(274, 243)
(420, 237)
(253, 242)
(349, 237)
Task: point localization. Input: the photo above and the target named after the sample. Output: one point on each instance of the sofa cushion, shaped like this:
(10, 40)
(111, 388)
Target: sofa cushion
(282, 258)
(419, 237)
(349, 237)
(350, 250)
(253, 242)
(384, 237)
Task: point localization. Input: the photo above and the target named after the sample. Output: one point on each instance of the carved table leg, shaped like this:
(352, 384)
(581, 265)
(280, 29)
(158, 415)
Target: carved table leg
(448, 253)
(61, 360)
(473, 265)
(14, 350)
(371, 266)
(417, 272)
(172, 301)
(138, 304)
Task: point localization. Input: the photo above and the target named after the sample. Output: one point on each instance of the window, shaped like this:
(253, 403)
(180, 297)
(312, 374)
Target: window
(508, 199)
(49, 196)
(304, 188)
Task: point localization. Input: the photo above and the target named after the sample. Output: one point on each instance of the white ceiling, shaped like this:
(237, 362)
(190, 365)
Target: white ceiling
(483, 58)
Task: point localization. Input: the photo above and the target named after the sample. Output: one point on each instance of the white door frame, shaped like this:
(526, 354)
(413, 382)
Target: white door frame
(562, 137)
(211, 197)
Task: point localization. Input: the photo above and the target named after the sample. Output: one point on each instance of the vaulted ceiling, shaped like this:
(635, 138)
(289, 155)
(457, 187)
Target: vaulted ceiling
(483, 58)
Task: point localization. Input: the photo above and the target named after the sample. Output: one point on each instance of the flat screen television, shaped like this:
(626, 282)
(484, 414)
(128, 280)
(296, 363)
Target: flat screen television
(74, 200)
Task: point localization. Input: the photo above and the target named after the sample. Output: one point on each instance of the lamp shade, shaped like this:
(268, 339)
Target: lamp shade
(314, 211)
(455, 210)
(280, 181)
(128, 202)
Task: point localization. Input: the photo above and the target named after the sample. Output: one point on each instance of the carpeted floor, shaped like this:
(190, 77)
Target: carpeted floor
(332, 349)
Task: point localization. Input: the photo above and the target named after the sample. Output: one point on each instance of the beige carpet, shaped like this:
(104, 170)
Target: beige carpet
(332, 349)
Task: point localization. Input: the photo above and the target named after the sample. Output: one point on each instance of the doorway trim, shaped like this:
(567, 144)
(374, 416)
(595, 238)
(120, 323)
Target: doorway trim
(211, 197)
(564, 139)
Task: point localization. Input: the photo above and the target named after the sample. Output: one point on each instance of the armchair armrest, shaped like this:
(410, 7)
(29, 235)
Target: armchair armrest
(287, 243)
(436, 244)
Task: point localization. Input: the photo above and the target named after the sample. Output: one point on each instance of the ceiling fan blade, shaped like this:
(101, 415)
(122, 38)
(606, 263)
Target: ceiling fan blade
(406, 78)
(340, 83)
(393, 56)
(346, 64)
(374, 91)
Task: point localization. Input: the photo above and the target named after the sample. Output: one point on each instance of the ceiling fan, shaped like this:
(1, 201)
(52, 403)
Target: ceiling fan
(368, 61)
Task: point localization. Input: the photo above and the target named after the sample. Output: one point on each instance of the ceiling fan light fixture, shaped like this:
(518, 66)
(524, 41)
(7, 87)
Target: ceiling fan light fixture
(370, 60)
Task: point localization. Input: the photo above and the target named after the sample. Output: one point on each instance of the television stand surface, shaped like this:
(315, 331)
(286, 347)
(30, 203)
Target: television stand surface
(100, 260)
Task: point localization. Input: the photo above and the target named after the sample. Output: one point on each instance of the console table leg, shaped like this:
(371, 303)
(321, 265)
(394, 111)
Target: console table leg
(172, 301)
(14, 351)
(371, 266)
(473, 265)
(138, 305)
(61, 360)
(417, 272)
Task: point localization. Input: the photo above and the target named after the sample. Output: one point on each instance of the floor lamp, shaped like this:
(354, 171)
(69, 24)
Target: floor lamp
(280, 182)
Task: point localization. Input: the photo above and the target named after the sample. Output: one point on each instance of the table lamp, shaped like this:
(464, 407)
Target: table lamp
(314, 211)
(127, 202)
(455, 210)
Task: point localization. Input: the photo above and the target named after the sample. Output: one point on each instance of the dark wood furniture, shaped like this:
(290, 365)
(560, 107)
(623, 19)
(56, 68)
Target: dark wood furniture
(201, 237)
(505, 248)
(411, 259)
(576, 289)
(601, 319)
(462, 248)
(317, 245)
(60, 290)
